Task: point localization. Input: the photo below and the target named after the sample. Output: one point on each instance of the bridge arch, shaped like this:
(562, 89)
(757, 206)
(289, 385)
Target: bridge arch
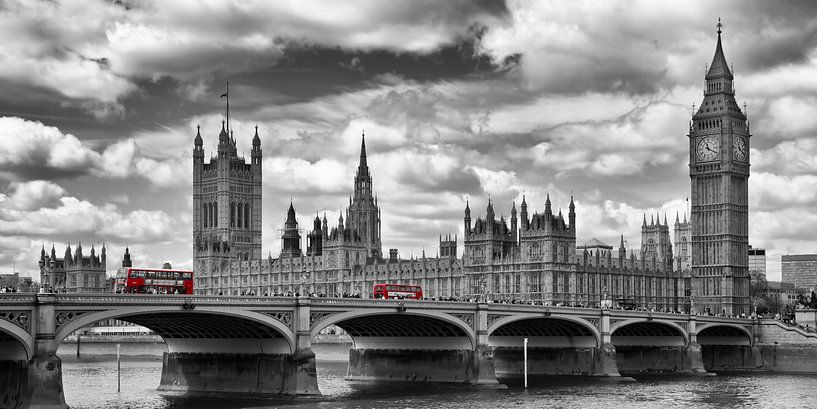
(15, 342)
(723, 334)
(544, 331)
(387, 328)
(205, 329)
(647, 332)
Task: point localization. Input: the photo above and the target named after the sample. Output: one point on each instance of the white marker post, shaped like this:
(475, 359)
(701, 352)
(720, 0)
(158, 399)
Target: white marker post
(118, 370)
(526, 362)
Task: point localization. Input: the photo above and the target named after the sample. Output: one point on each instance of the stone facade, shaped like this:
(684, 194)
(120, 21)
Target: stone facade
(719, 172)
(226, 207)
(534, 257)
(541, 262)
(73, 273)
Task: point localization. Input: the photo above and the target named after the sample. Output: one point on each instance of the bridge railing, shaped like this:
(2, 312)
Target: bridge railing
(370, 302)
(16, 298)
(168, 299)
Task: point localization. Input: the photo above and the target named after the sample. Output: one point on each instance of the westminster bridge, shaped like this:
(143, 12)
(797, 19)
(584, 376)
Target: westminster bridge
(262, 345)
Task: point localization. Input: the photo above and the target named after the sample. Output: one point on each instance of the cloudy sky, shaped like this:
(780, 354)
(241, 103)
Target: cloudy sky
(99, 101)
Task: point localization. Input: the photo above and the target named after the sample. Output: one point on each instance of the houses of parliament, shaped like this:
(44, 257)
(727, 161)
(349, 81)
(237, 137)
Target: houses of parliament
(534, 256)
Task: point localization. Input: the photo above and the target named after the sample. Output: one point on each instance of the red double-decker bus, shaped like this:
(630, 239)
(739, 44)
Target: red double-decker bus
(136, 280)
(397, 291)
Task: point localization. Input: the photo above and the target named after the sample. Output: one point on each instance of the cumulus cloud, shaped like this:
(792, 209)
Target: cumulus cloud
(75, 217)
(35, 194)
(34, 151)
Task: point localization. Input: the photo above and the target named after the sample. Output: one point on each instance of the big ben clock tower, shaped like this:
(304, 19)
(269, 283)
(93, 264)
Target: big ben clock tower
(719, 173)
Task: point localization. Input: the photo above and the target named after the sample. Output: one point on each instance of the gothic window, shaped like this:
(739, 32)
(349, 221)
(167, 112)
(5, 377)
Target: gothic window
(203, 215)
(232, 214)
(240, 216)
(215, 214)
(246, 215)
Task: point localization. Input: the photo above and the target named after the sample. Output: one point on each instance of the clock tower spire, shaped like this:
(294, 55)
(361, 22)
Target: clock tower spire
(719, 172)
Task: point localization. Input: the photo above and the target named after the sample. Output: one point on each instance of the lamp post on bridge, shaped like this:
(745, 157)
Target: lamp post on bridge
(304, 277)
(483, 294)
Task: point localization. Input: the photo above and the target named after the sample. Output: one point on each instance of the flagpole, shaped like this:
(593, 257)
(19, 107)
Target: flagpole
(228, 108)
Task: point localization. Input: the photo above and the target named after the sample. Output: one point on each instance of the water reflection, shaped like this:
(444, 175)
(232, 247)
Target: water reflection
(91, 383)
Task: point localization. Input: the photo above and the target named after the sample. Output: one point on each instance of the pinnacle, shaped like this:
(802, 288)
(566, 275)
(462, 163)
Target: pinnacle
(719, 68)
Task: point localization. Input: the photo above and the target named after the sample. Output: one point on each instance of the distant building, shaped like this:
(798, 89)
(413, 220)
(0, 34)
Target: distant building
(757, 261)
(13, 282)
(785, 292)
(683, 246)
(73, 273)
(800, 270)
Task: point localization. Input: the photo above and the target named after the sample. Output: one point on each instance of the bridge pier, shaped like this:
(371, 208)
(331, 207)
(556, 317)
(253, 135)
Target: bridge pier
(249, 374)
(44, 381)
(694, 358)
(604, 361)
(270, 370)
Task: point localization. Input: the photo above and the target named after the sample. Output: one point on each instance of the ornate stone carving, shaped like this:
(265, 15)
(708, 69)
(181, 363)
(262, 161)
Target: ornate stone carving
(466, 318)
(64, 317)
(19, 318)
(493, 318)
(283, 316)
(314, 317)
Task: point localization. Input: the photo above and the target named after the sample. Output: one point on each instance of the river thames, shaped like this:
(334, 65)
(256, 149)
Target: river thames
(90, 383)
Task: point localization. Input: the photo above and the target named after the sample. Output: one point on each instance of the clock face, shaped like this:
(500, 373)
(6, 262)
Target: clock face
(708, 148)
(740, 148)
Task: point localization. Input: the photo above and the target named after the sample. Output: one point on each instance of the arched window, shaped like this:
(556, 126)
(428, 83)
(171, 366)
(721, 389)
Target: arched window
(239, 213)
(204, 215)
(246, 215)
(232, 214)
(215, 214)
(210, 215)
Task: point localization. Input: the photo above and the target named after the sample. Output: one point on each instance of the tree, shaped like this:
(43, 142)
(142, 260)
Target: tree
(758, 287)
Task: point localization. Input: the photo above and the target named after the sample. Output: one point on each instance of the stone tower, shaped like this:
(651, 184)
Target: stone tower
(656, 247)
(719, 172)
(363, 214)
(683, 242)
(291, 237)
(226, 207)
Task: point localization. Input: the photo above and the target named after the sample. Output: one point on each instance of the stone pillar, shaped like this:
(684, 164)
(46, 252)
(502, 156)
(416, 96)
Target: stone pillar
(604, 359)
(694, 359)
(304, 371)
(482, 364)
(756, 353)
(45, 368)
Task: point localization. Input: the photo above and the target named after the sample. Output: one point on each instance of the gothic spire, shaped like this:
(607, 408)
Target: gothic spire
(198, 141)
(363, 168)
(256, 141)
(547, 205)
(719, 68)
(223, 138)
(290, 214)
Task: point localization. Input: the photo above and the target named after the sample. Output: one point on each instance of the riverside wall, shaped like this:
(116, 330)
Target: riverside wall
(777, 348)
